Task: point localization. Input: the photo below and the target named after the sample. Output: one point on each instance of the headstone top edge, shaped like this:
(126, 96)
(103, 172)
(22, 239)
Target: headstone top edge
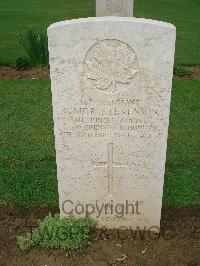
(111, 18)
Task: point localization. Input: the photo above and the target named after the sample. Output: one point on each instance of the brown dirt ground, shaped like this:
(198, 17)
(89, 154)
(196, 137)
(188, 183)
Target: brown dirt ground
(178, 243)
(43, 73)
(31, 73)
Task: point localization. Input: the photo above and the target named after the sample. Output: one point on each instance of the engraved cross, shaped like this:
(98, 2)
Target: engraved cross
(110, 164)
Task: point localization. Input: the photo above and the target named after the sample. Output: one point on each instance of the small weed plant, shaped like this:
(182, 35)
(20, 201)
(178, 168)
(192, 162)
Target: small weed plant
(53, 232)
(182, 70)
(35, 44)
(22, 63)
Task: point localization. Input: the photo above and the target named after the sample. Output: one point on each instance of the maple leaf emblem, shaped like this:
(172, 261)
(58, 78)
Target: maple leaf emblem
(111, 64)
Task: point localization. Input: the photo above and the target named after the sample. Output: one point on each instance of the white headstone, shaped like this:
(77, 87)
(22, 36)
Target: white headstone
(120, 8)
(111, 84)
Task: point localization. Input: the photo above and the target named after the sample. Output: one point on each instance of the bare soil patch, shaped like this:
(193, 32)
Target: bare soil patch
(178, 243)
(43, 73)
(31, 73)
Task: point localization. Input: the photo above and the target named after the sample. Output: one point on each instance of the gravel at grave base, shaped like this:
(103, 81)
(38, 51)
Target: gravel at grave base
(178, 243)
(43, 73)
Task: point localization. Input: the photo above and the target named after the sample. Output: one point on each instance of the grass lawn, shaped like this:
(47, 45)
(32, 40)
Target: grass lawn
(27, 155)
(16, 15)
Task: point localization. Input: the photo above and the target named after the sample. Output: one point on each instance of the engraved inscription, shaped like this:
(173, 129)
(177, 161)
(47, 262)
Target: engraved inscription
(110, 164)
(132, 121)
(110, 66)
(114, 6)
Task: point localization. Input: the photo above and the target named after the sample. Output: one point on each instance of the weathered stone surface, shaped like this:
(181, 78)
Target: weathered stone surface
(121, 8)
(111, 86)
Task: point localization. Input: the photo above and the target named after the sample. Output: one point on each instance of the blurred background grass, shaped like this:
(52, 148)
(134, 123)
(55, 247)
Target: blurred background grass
(16, 15)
